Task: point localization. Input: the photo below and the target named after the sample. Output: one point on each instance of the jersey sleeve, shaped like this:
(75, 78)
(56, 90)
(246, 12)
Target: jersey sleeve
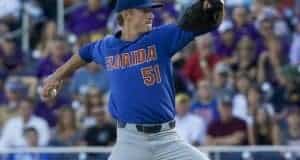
(173, 38)
(87, 51)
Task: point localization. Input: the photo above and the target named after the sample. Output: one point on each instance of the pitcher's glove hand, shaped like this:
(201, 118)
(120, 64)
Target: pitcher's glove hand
(203, 16)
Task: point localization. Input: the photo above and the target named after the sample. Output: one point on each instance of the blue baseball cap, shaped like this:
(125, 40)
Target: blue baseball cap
(130, 4)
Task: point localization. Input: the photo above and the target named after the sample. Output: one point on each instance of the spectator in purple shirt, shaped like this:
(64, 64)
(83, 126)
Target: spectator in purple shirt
(48, 109)
(91, 17)
(266, 30)
(244, 59)
(11, 58)
(48, 33)
(2, 93)
(242, 25)
(225, 40)
(271, 61)
(165, 15)
(59, 54)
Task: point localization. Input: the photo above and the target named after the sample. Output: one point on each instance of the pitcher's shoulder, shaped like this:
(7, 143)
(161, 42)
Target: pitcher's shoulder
(163, 31)
(97, 44)
(110, 39)
(166, 27)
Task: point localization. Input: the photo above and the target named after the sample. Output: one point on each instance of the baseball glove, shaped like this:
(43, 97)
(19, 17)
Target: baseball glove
(200, 20)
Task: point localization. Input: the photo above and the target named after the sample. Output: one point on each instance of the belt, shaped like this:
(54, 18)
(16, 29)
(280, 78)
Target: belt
(149, 128)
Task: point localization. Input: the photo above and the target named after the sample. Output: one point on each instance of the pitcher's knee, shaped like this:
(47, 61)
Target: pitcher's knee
(197, 154)
(202, 156)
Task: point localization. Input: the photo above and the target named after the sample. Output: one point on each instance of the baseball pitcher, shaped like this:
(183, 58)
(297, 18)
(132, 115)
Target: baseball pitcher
(138, 64)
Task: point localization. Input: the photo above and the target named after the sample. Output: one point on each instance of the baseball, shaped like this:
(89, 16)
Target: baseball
(53, 92)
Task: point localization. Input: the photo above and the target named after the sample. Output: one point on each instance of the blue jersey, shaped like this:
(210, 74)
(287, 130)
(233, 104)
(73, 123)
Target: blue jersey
(140, 73)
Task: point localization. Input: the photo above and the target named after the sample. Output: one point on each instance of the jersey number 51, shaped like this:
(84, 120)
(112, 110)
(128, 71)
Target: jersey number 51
(151, 75)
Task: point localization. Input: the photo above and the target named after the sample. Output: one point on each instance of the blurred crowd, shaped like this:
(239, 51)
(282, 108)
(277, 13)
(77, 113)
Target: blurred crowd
(238, 85)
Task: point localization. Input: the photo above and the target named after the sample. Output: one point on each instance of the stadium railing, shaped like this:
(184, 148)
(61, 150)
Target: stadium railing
(100, 153)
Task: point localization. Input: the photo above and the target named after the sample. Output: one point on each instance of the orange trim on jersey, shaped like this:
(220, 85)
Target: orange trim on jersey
(136, 57)
(109, 62)
(151, 54)
(125, 60)
(141, 56)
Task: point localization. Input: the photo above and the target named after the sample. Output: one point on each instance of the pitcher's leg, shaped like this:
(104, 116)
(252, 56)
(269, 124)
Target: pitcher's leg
(178, 150)
(130, 146)
(130, 152)
(191, 152)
